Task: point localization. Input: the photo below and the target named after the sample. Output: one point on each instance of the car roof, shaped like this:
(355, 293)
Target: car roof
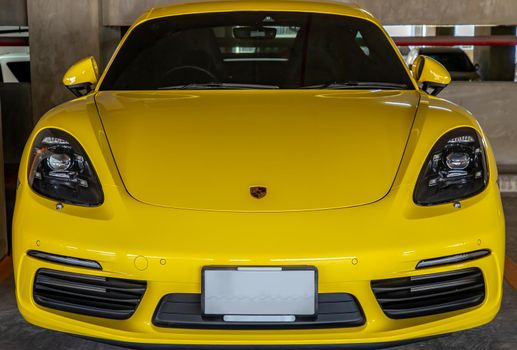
(205, 6)
(440, 50)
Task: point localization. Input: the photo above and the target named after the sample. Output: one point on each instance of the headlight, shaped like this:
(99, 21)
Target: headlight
(60, 169)
(455, 169)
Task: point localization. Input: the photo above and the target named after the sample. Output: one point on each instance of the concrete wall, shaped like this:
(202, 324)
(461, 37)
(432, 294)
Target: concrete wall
(62, 32)
(439, 12)
(13, 13)
(493, 104)
(17, 122)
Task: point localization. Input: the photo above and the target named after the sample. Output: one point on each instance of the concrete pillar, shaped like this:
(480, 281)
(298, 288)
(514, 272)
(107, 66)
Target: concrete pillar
(13, 13)
(496, 62)
(110, 38)
(502, 58)
(62, 32)
(482, 53)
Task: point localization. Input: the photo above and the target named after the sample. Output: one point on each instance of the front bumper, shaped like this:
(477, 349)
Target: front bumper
(369, 346)
(350, 247)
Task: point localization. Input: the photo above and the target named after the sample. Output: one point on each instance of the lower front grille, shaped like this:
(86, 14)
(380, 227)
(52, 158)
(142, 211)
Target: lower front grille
(88, 295)
(430, 294)
(184, 311)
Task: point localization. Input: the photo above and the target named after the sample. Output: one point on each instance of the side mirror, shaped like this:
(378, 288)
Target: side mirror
(82, 76)
(431, 74)
(476, 67)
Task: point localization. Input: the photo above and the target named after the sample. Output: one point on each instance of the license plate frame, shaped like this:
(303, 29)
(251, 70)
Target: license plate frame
(209, 310)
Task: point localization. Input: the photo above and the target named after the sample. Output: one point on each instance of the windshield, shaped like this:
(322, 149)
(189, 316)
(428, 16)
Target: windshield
(287, 50)
(454, 61)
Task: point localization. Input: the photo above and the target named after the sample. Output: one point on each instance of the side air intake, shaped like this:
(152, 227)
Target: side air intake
(430, 294)
(88, 295)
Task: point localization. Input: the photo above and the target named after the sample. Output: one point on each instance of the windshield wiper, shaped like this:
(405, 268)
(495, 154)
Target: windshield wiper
(213, 85)
(358, 85)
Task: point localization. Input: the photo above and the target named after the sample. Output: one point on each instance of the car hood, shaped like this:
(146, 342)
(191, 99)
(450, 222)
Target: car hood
(310, 149)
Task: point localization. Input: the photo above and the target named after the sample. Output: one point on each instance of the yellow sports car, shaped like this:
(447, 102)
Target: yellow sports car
(258, 173)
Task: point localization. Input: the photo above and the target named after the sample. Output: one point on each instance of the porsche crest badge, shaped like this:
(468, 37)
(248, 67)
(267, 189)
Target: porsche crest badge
(258, 192)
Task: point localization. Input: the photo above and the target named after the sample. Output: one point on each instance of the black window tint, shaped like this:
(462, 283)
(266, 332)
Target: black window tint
(285, 49)
(21, 70)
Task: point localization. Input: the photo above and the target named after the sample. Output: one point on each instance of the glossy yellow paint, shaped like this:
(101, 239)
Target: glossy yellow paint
(383, 230)
(229, 151)
(427, 70)
(85, 71)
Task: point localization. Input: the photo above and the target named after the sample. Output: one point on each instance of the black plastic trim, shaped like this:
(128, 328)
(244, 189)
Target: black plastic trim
(65, 260)
(432, 294)
(335, 310)
(362, 346)
(453, 259)
(80, 89)
(437, 88)
(88, 295)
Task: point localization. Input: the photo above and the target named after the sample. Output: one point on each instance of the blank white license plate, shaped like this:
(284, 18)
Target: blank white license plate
(259, 291)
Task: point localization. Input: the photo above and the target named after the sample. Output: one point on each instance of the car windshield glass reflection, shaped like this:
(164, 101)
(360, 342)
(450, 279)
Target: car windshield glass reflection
(243, 50)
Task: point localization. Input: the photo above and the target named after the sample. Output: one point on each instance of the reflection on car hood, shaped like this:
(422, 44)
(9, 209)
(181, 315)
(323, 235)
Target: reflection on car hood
(309, 149)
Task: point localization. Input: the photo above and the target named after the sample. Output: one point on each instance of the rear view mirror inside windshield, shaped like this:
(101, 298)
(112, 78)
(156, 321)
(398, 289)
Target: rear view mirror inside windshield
(254, 33)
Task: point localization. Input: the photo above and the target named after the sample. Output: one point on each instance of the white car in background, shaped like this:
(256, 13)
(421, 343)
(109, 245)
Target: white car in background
(15, 67)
